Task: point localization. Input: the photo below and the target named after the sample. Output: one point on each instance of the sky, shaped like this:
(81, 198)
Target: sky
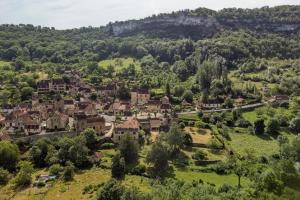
(64, 14)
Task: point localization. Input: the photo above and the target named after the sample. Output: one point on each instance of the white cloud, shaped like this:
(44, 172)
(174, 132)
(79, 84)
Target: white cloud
(76, 13)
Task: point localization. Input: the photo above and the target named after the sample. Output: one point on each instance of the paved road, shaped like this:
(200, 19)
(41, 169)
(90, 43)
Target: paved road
(224, 109)
(109, 133)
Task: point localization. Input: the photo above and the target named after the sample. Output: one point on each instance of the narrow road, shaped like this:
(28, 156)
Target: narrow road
(255, 105)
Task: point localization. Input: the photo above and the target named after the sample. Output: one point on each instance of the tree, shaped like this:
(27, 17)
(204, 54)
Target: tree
(9, 155)
(296, 148)
(118, 167)
(295, 125)
(78, 152)
(188, 140)
(259, 126)
(188, 96)
(168, 90)
(92, 66)
(268, 181)
(239, 168)
(129, 149)
(273, 127)
(64, 144)
(26, 93)
(90, 137)
(174, 138)
(112, 190)
(180, 69)
(38, 152)
(228, 102)
(23, 177)
(158, 157)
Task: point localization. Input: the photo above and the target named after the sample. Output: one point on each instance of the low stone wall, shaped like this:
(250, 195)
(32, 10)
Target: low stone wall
(46, 135)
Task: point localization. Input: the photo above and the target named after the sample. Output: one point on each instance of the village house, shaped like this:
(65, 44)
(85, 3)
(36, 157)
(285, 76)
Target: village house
(153, 106)
(55, 85)
(57, 122)
(121, 108)
(140, 97)
(155, 124)
(239, 101)
(83, 121)
(107, 90)
(69, 107)
(131, 126)
(4, 135)
(88, 108)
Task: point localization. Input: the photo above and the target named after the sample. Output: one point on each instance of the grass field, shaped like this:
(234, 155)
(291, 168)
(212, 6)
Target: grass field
(265, 112)
(214, 178)
(120, 63)
(189, 117)
(243, 141)
(200, 136)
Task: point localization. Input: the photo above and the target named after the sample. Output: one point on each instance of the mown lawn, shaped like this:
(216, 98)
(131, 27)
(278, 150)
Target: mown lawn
(120, 63)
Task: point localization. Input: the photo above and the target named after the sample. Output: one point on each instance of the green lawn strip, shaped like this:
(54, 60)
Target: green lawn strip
(212, 177)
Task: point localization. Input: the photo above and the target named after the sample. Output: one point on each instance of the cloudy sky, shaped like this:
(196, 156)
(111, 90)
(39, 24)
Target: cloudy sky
(64, 14)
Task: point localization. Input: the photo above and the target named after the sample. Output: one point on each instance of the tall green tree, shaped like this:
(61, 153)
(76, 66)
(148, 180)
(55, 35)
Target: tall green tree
(129, 149)
(118, 167)
(9, 155)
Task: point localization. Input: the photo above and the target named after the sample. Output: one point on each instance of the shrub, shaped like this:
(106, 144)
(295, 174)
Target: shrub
(55, 169)
(295, 125)
(4, 176)
(243, 123)
(200, 124)
(215, 144)
(107, 146)
(200, 155)
(138, 170)
(68, 173)
(182, 125)
(112, 190)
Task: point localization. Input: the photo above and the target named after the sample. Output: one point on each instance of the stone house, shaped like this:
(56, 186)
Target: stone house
(121, 108)
(130, 126)
(153, 106)
(55, 85)
(57, 122)
(140, 97)
(88, 108)
(83, 121)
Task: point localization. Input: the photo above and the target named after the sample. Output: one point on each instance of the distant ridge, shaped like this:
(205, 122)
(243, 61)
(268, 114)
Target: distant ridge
(204, 23)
